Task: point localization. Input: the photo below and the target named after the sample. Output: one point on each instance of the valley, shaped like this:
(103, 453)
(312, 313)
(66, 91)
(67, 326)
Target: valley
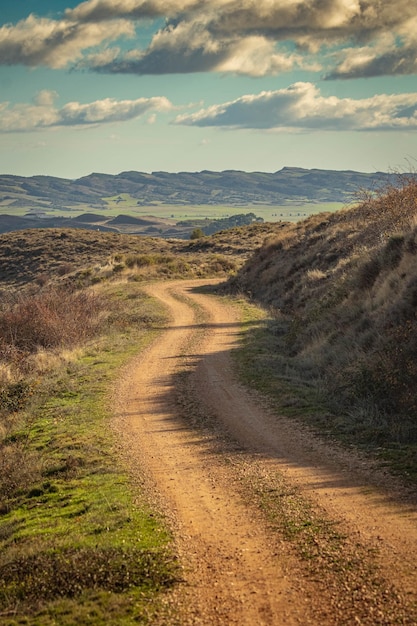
(212, 430)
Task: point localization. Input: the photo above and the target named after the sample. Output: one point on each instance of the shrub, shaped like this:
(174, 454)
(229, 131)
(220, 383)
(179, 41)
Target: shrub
(19, 468)
(197, 233)
(51, 318)
(13, 397)
(70, 572)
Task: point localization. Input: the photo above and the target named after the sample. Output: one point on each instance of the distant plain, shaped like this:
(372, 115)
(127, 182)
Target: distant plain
(126, 205)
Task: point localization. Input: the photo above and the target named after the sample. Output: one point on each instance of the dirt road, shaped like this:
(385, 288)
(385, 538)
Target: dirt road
(220, 462)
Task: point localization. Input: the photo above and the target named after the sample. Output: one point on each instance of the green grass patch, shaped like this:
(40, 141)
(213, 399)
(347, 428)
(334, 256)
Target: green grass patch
(76, 544)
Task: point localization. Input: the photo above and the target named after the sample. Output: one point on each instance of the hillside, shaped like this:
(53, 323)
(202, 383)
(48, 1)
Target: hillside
(230, 187)
(343, 291)
(57, 254)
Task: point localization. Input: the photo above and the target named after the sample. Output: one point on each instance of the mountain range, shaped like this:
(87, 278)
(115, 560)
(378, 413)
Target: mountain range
(230, 187)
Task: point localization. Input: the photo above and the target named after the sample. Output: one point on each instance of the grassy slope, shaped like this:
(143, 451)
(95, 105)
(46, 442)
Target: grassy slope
(41, 255)
(339, 348)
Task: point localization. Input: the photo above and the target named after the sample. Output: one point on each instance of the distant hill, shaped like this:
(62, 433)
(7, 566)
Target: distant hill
(85, 256)
(230, 187)
(12, 222)
(126, 224)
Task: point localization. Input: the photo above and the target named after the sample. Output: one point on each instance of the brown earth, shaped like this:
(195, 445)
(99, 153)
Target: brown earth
(211, 453)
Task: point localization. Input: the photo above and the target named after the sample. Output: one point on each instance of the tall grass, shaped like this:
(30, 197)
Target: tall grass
(342, 291)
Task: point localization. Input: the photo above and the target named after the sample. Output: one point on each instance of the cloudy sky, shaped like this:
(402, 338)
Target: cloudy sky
(188, 85)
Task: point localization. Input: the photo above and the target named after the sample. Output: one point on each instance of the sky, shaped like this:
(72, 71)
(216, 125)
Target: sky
(189, 85)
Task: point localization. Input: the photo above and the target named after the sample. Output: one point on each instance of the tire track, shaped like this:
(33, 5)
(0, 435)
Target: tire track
(235, 570)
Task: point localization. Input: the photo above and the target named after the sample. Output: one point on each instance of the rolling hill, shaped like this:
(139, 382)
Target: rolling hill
(229, 187)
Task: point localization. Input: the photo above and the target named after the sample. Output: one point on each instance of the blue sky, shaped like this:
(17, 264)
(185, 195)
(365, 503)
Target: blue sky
(187, 85)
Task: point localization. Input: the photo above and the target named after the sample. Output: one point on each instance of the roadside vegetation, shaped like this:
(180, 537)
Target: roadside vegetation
(76, 545)
(339, 346)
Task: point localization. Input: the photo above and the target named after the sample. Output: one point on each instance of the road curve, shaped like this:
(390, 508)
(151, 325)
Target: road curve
(236, 571)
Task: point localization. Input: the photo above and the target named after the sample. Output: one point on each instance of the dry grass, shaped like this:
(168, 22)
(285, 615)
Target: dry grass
(35, 258)
(343, 291)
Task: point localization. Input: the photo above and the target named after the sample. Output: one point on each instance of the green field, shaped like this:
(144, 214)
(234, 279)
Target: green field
(292, 212)
(125, 204)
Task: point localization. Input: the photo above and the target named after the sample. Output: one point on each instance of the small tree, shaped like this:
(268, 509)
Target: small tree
(197, 233)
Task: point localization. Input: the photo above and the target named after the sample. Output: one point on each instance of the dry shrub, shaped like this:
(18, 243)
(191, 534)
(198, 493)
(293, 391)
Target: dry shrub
(315, 275)
(221, 264)
(145, 260)
(65, 268)
(368, 272)
(6, 374)
(51, 318)
(19, 468)
(44, 361)
(14, 396)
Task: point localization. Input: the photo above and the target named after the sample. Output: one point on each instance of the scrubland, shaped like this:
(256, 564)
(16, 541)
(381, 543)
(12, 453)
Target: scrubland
(336, 348)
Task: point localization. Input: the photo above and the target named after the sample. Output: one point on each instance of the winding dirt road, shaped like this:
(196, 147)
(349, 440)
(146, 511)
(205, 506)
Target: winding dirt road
(205, 447)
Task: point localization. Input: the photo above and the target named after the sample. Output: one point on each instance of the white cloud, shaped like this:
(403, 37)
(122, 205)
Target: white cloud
(302, 107)
(237, 36)
(43, 114)
(40, 41)
(256, 56)
(247, 37)
(102, 10)
(45, 98)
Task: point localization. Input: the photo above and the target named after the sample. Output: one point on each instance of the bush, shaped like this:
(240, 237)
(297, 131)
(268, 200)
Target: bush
(197, 233)
(52, 318)
(19, 468)
(14, 396)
